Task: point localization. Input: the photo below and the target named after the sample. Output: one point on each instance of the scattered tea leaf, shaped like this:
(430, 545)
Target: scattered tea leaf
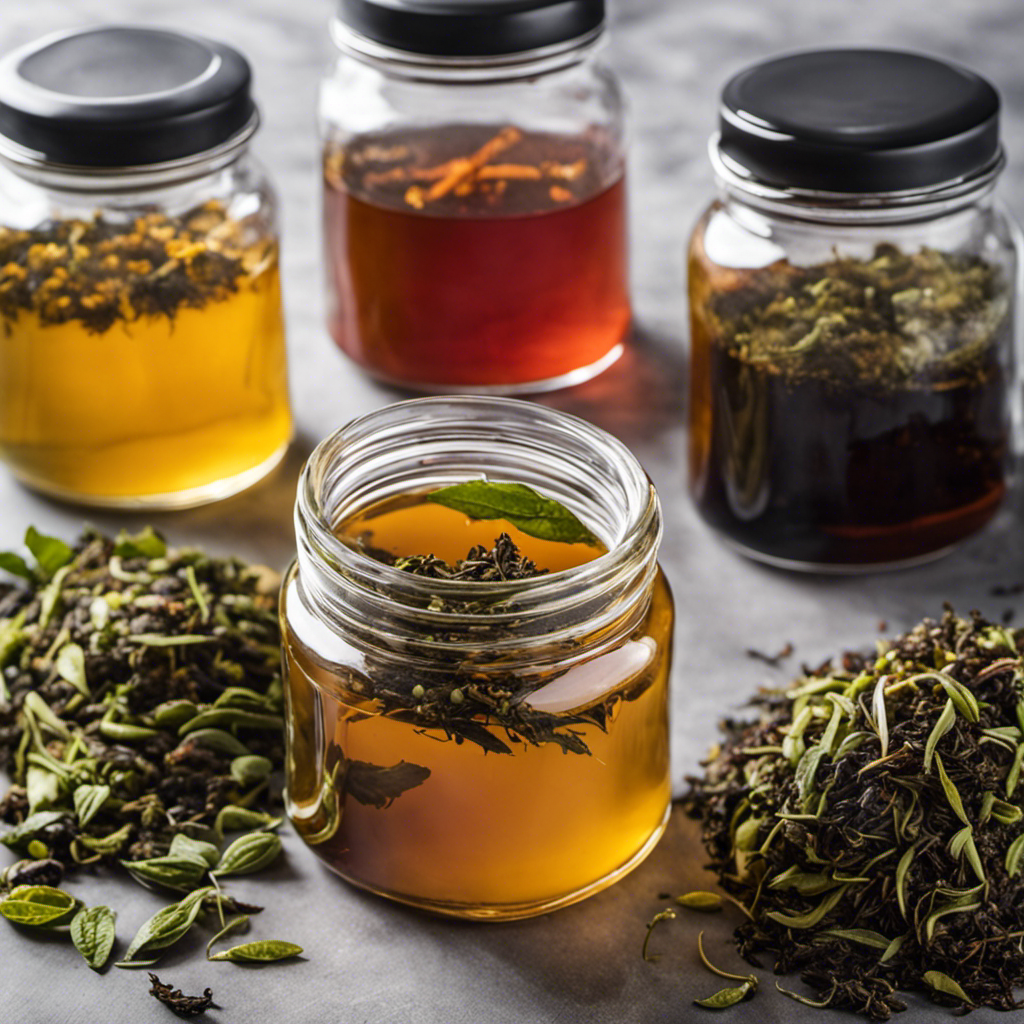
(261, 951)
(248, 854)
(726, 997)
(93, 932)
(176, 1000)
(36, 905)
(946, 985)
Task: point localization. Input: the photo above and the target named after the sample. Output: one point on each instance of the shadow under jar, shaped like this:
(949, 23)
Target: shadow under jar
(489, 761)
(474, 194)
(853, 313)
(142, 349)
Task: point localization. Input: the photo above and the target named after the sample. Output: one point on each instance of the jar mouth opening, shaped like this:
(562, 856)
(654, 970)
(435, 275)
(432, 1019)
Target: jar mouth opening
(811, 204)
(477, 66)
(631, 530)
(83, 178)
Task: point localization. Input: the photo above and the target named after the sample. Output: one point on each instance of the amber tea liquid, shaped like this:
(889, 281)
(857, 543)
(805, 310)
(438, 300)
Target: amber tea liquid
(486, 835)
(477, 256)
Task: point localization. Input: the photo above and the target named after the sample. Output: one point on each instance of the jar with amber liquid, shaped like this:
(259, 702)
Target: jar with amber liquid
(853, 310)
(142, 350)
(477, 716)
(474, 194)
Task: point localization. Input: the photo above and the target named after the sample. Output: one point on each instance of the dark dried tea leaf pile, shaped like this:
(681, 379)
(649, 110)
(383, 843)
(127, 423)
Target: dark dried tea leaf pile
(869, 822)
(140, 721)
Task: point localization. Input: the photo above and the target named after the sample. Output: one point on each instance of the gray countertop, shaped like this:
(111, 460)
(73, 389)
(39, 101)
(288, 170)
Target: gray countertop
(368, 961)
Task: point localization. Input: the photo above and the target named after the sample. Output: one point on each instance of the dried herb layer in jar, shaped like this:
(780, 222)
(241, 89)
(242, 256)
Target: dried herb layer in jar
(869, 821)
(854, 411)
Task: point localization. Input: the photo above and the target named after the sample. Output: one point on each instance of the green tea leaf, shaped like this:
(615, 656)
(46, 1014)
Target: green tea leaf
(893, 948)
(217, 739)
(946, 985)
(262, 951)
(50, 553)
(107, 844)
(249, 769)
(196, 849)
(15, 565)
(726, 997)
(707, 902)
(166, 926)
(232, 818)
(1013, 775)
(126, 732)
(810, 919)
(93, 933)
(1013, 856)
(88, 801)
(171, 872)
(217, 718)
(862, 936)
(147, 543)
(31, 827)
(71, 667)
(248, 854)
(945, 722)
(177, 640)
(518, 504)
(952, 793)
(901, 879)
(237, 924)
(173, 713)
(197, 594)
(36, 905)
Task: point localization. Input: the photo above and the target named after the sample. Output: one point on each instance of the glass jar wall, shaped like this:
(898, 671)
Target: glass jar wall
(494, 759)
(142, 356)
(852, 352)
(474, 202)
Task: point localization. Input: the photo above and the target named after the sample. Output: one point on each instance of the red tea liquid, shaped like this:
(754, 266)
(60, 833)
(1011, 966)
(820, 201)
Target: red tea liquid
(476, 256)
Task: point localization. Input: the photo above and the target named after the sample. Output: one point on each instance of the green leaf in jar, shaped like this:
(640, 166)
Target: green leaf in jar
(522, 506)
(261, 951)
(37, 905)
(248, 854)
(93, 933)
(166, 926)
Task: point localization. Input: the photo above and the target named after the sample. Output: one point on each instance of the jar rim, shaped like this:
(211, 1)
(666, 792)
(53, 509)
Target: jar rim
(811, 204)
(635, 545)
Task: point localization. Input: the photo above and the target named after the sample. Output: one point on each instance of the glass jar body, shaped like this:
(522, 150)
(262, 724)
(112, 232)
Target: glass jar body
(853, 378)
(490, 765)
(142, 361)
(475, 221)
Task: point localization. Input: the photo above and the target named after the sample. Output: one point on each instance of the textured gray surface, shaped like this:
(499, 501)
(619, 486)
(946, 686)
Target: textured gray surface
(371, 962)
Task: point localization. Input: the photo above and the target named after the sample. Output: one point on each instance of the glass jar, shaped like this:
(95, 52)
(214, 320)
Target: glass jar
(853, 313)
(495, 762)
(474, 194)
(142, 356)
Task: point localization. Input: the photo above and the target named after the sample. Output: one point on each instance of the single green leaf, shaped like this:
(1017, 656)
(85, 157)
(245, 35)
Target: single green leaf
(177, 640)
(262, 951)
(533, 513)
(15, 565)
(250, 769)
(237, 924)
(49, 598)
(93, 932)
(232, 818)
(707, 902)
(31, 827)
(126, 732)
(88, 801)
(172, 872)
(1013, 775)
(42, 787)
(880, 714)
(1013, 856)
(726, 997)
(965, 701)
(36, 905)
(893, 948)
(813, 917)
(946, 985)
(216, 739)
(173, 713)
(71, 667)
(147, 543)
(248, 854)
(99, 612)
(43, 713)
(862, 936)
(945, 722)
(197, 594)
(108, 844)
(167, 926)
(217, 718)
(901, 879)
(197, 849)
(952, 793)
(50, 553)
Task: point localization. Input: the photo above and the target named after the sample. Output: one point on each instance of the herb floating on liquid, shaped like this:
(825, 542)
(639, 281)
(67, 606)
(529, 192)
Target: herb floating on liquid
(140, 719)
(869, 823)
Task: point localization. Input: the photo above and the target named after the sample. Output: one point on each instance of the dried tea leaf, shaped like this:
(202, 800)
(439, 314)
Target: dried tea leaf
(707, 902)
(662, 915)
(93, 931)
(376, 786)
(248, 854)
(250, 769)
(195, 849)
(862, 936)
(236, 924)
(21, 834)
(232, 818)
(36, 905)
(946, 985)
(174, 999)
(1013, 856)
(945, 722)
(166, 926)
(89, 800)
(952, 793)
(172, 872)
(261, 951)
(726, 997)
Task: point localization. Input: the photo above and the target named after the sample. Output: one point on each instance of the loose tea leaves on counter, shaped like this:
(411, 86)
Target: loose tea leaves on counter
(140, 721)
(869, 823)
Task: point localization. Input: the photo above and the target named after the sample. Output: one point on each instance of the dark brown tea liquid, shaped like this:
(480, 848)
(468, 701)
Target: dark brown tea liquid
(477, 256)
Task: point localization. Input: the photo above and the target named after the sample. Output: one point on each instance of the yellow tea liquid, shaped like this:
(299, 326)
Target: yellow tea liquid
(484, 834)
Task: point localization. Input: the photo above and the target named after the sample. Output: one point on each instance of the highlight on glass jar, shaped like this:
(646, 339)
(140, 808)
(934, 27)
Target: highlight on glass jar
(477, 643)
(853, 310)
(142, 356)
(474, 194)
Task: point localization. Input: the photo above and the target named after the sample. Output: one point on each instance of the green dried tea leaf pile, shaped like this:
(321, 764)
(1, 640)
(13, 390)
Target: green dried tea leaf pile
(871, 822)
(140, 721)
(895, 320)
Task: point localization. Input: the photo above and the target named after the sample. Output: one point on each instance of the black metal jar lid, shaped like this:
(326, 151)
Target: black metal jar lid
(122, 96)
(858, 121)
(472, 28)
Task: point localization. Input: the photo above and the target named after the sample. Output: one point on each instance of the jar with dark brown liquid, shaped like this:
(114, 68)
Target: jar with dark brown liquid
(474, 195)
(852, 308)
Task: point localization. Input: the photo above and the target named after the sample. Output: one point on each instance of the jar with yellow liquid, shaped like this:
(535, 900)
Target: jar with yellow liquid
(142, 350)
(477, 708)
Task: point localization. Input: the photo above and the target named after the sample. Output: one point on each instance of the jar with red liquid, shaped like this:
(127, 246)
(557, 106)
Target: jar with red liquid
(474, 194)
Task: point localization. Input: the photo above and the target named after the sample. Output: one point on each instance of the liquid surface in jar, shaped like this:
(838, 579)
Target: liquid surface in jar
(483, 814)
(140, 359)
(853, 412)
(476, 255)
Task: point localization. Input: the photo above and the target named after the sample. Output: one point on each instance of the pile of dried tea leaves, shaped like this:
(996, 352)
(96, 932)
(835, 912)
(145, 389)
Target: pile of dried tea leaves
(870, 822)
(140, 721)
(895, 320)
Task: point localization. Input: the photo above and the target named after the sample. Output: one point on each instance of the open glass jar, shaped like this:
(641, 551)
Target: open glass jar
(491, 760)
(142, 355)
(853, 312)
(474, 194)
